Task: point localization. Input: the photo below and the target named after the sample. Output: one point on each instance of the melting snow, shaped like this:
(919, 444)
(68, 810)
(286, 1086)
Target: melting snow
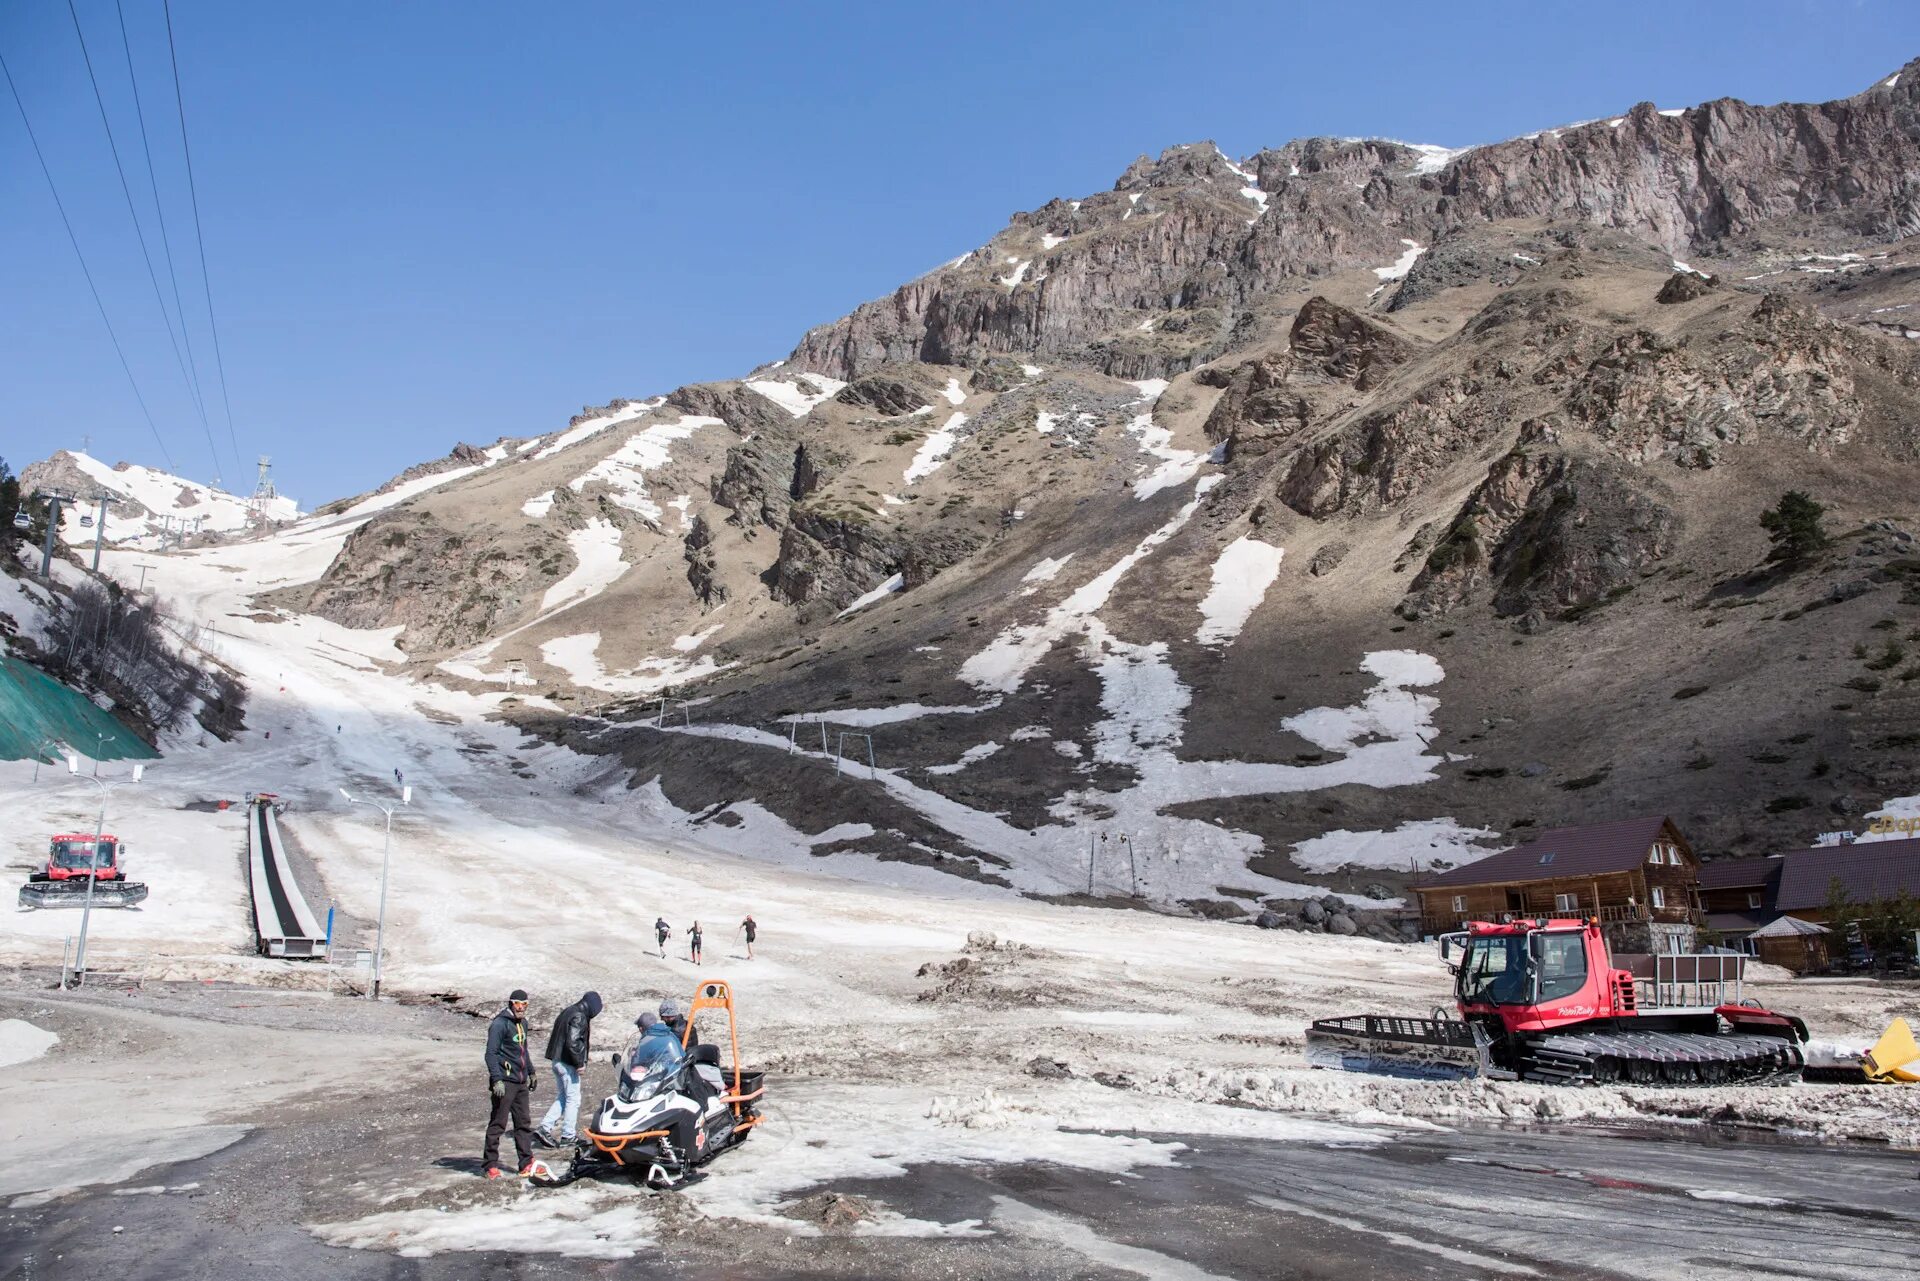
(687, 644)
(934, 450)
(579, 657)
(186, 503)
(799, 394)
(1412, 846)
(1049, 240)
(538, 506)
(1044, 422)
(1044, 572)
(862, 717)
(1018, 274)
(1241, 576)
(594, 426)
(1432, 158)
(1403, 264)
(596, 548)
(953, 392)
(1146, 326)
(974, 754)
(884, 590)
(21, 1041)
(623, 472)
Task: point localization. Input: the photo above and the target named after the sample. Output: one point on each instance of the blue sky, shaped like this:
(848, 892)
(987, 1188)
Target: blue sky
(432, 222)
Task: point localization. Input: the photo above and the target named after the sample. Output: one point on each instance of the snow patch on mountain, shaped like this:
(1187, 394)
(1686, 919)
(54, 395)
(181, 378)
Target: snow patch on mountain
(881, 592)
(623, 472)
(1241, 576)
(579, 657)
(596, 551)
(591, 427)
(537, 506)
(175, 505)
(800, 393)
(1044, 572)
(1413, 846)
(934, 449)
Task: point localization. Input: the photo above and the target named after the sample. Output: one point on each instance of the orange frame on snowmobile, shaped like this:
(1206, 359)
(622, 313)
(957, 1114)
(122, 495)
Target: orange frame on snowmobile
(717, 994)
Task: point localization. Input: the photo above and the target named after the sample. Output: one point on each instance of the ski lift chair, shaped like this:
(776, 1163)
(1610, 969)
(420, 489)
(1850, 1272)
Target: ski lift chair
(86, 522)
(21, 520)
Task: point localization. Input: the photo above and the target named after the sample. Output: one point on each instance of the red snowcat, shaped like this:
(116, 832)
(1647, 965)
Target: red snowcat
(1542, 1000)
(72, 861)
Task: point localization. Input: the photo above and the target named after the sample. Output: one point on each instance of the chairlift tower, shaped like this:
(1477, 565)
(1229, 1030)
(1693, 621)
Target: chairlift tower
(263, 492)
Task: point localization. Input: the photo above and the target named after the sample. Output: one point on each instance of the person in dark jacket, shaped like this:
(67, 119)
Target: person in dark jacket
(567, 1048)
(693, 943)
(674, 1012)
(510, 1082)
(661, 932)
(750, 928)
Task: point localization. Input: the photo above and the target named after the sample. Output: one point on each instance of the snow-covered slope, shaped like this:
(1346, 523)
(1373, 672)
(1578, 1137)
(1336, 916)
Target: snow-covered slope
(146, 505)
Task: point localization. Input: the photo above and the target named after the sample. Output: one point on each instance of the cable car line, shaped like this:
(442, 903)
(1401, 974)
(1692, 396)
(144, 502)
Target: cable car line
(138, 231)
(193, 190)
(84, 270)
(166, 240)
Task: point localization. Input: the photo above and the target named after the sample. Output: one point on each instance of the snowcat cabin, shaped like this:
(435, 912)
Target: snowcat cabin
(1537, 974)
(1638, 877)
(72, 855)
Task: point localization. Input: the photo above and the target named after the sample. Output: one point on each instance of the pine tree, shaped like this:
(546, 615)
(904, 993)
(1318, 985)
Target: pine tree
(1794, 528)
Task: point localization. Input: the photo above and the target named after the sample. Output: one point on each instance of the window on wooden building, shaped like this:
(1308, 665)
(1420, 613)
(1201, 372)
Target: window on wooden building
(1659, 896)
(1459, 902)
(1566, 902)
(1753, 899)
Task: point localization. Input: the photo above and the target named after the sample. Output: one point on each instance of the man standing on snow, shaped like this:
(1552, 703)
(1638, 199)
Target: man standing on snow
(660, 932)
(567, 1048)
(693, 943)
(749, 927)
(510, 1082)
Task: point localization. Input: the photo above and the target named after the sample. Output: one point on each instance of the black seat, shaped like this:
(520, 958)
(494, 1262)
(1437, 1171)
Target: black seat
(708, 1054)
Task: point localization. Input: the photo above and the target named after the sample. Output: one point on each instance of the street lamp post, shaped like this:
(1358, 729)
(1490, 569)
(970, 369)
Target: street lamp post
(386, 861)
(93, 859)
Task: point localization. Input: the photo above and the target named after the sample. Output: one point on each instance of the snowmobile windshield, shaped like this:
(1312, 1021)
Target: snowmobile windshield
(78, 855)
(1494, 971)
(640, 1083)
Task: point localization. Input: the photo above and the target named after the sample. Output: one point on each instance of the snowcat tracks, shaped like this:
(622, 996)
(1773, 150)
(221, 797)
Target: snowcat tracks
(1660, 1058)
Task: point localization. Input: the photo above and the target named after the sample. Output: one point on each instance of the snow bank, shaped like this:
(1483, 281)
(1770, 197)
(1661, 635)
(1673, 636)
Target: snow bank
(21, 1042)
(1241, 576)
(1045, 571)
(583, 1221)
(175, 504)
(537, 506)
(579, 657)
(973, 755)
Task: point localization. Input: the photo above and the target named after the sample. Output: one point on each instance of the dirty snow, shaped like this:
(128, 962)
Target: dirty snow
(173, 501)
(1018, 274)
(978, 752)
(1243, 572)
(953, 392)
(1044, 422)
(21, 1041)
(538, 506)
(1049, 240)
(1432, 158)
(1418, 845)
(583, 1221)
(579, 657)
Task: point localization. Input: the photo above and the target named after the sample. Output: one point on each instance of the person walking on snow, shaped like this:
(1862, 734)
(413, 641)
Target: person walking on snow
(661, 931)
(568, 1046)
(693, 943)
(749, 928)
(510, 1082)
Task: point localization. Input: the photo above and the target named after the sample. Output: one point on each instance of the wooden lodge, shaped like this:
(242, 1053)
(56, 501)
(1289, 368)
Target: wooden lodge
(1638, 875)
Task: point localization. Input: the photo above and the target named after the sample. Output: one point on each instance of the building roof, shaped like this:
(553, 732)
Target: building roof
(1787, 927)
(1740, 873)
(1868, 869)
(1619, 846)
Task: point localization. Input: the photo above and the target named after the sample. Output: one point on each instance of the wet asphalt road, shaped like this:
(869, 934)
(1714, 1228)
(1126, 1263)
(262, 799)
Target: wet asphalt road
(1472, 1203)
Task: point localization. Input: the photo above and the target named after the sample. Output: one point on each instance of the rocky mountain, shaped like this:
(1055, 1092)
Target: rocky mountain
(1291, 524)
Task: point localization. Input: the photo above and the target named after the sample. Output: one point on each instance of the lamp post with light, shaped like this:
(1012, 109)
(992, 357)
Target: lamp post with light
(386, 860)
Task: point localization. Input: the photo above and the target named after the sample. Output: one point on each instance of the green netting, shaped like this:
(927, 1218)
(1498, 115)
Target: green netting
(37, 713)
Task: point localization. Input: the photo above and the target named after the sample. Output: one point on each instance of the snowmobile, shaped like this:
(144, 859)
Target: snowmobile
(73, 860)
(633, 1130)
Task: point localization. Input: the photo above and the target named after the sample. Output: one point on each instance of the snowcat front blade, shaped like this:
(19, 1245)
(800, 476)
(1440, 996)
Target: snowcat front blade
(1437, 1049)
(1895, 1056)
(74, 894)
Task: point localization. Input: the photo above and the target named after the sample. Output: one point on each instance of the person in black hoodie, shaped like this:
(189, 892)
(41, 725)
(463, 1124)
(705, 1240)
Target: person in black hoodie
(510, 1083)
(567, 1048)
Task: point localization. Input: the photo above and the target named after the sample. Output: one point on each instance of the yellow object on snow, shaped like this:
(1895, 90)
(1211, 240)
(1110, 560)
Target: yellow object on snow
(1895, 1056)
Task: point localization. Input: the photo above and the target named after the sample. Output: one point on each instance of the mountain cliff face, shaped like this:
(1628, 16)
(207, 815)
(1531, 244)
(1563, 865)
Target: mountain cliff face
(1306, 521)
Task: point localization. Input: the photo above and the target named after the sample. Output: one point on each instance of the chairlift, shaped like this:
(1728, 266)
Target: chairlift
(86, 522)
(21, 520)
